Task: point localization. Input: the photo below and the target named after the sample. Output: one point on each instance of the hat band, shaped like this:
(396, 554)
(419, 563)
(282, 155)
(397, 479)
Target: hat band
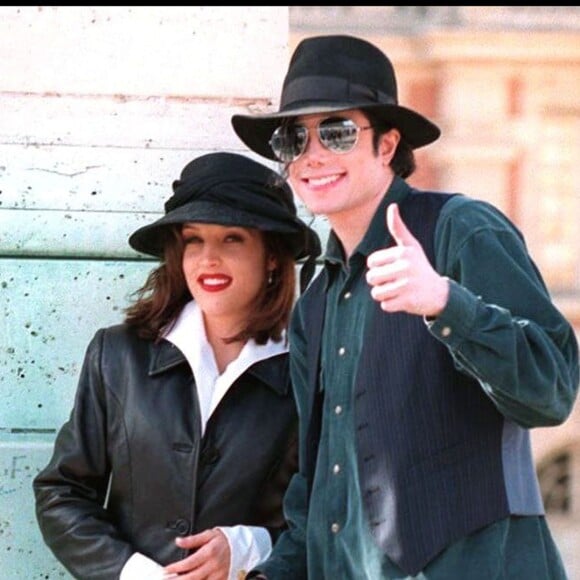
(321, 88)
(234, 193)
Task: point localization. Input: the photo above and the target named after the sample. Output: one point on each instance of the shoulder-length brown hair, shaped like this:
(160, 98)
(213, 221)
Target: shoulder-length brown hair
(164, 294)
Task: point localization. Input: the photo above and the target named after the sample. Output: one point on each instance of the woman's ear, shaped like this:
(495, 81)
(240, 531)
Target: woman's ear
(272, 263)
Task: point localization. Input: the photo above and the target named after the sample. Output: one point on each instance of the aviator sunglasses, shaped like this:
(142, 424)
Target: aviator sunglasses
(338, 135)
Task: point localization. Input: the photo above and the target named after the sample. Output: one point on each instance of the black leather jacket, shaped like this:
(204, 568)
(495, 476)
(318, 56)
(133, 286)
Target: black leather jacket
(130, 471)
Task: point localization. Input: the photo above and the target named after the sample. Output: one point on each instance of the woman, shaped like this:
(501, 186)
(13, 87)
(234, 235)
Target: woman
(182, 438)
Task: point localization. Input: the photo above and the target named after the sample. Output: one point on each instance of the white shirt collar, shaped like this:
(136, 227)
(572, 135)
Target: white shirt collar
(188, 334)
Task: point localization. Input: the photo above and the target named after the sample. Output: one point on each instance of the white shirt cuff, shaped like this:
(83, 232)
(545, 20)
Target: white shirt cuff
(140, 567)
(249, 545)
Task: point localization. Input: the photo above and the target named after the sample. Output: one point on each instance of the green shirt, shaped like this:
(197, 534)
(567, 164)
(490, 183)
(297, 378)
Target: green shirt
(501, 327)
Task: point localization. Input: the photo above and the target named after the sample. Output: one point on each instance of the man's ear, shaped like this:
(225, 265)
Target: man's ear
(388, 145)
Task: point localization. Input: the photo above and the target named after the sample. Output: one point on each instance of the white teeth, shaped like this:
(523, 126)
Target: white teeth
(213, 281)
(323, 180)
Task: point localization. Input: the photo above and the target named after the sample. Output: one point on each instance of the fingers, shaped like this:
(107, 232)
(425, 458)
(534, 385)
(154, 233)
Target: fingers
(397, 227)
(196, 540)
(400, 233)
(210, 558)
(401, 277)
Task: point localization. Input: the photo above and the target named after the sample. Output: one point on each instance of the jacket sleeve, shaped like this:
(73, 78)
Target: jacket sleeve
(270, 507)
(288, 557)
(70, 492)
(500, 324)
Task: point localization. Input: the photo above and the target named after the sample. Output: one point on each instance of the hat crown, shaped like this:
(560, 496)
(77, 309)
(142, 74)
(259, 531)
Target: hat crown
(230, 189)
(210, 173)
(334, 73)
(338, 68)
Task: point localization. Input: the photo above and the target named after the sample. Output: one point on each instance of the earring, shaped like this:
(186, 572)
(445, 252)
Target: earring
(270, 277)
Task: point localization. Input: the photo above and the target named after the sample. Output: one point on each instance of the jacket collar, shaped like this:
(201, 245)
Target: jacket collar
(272, 371)
(164, 356)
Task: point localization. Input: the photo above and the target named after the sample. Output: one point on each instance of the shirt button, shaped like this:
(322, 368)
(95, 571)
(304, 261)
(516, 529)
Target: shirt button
(445, 331)
(338, 410)
(336, 469)
(335, 528)
(341, 351)
(347, 295)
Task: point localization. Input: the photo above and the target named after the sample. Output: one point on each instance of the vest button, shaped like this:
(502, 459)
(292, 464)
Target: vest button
(335, 528)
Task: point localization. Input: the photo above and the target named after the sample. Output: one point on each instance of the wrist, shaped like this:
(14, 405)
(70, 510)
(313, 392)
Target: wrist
(442, 298)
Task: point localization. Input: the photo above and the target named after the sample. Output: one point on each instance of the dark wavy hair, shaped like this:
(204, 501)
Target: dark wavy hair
(403, 162)
(157, 304)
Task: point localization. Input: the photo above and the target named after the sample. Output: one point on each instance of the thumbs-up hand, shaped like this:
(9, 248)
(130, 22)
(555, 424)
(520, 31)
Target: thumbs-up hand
(401, 277)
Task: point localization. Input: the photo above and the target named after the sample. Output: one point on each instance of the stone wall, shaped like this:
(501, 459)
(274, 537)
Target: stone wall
(100, 108)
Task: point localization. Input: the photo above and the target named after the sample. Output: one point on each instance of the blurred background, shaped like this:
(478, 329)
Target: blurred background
(101, 107)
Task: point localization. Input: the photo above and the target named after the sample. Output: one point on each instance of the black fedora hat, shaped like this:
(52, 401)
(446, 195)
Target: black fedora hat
(230, 189)
(335, 73)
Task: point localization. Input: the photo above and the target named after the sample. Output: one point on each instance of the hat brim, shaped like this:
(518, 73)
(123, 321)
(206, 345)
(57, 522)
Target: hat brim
(256, 130)
(151, 239)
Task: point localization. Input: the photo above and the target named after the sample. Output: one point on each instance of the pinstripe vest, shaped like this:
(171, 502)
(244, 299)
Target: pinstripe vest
(429, 440)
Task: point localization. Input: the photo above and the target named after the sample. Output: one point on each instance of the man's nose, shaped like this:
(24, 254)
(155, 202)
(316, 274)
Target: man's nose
(313, 144)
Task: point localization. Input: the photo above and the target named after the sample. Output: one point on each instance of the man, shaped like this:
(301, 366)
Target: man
(421, 355)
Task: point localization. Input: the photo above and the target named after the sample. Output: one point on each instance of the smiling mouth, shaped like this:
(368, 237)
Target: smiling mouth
(321, 181)
(214, 283)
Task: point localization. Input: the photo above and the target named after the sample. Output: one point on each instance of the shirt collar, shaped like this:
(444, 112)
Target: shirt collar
(377, 235)
(188, 335)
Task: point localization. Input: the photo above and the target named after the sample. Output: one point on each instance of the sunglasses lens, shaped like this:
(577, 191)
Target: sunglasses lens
(340, 136)
(289, 142)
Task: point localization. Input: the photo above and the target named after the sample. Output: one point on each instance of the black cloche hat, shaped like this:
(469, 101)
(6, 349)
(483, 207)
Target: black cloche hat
(231, 189)
(335, 73)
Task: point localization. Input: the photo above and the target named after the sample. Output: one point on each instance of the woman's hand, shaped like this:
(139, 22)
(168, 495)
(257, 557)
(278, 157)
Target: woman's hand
(209, 561)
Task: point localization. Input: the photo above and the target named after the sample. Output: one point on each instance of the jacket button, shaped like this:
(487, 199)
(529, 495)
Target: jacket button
(182, 527)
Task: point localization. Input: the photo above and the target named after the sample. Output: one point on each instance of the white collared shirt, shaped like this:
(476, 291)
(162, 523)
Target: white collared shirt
(188, 335)
(249, 545)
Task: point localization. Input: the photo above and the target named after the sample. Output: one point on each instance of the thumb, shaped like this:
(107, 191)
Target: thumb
(397, 227)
